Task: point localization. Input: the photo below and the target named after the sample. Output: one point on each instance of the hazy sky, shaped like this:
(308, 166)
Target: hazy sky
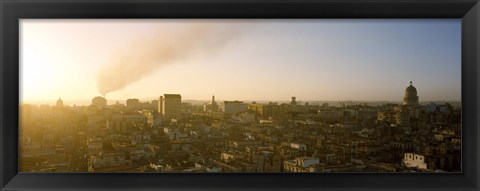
(324, 60)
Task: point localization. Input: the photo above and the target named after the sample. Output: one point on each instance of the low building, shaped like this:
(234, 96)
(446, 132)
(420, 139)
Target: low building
(299, 146)
(412, 160)
(300, 164)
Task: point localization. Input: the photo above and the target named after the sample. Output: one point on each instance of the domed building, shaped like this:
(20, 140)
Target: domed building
(99, 102)
(407, 115)
(411, 97)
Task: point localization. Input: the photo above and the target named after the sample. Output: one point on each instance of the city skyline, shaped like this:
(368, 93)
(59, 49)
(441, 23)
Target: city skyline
(314, 60)
(167, 135)
(86, 102)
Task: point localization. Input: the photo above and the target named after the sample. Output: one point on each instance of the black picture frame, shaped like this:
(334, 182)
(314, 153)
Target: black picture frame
(13, 10)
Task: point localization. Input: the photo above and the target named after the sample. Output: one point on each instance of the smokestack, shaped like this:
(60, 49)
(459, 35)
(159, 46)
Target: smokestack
(146, 55)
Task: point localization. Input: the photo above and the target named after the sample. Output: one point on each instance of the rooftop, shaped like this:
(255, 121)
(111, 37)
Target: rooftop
(172, 95)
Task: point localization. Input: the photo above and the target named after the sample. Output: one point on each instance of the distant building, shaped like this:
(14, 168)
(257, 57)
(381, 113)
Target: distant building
(233, 107)
(386, 116)
(439, 113)
(133, 104)
(153, 118)
(402, 115)
(99, 102)
(293, 104)
(105, 160)
(432, 107)
(213, 103)
(212, 106)
(132, 117)
(410, 97)
(366, 114)
(170, 106)
(120, 122)
(154, 105)
(257, 108)
(118, 106)
(276, 111)
(330, 113)
(410, 110)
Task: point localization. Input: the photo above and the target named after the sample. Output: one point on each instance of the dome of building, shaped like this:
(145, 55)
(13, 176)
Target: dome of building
(410, 97)
(410, 90)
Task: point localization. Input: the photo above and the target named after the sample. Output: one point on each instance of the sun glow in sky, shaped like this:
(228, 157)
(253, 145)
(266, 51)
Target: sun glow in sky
(263, 60)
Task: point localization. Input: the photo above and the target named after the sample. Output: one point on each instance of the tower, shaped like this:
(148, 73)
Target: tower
(214, 104)
(160, 105)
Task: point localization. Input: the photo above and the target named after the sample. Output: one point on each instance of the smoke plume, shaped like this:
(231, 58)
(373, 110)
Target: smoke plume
(148, 54)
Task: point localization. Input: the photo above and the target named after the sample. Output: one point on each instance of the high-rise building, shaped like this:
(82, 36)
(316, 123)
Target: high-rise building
(170, 106)
(410, 97)
(133, 104)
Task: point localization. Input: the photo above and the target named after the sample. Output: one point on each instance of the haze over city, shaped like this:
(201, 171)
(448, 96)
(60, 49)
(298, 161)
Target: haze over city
(241, 96)
(314, 60)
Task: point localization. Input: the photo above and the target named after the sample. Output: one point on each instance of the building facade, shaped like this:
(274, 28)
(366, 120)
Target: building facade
(170, 106)
(233, 107)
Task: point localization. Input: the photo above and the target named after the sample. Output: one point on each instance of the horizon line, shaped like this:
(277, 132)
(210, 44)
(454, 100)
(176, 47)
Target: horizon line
(221, 100)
